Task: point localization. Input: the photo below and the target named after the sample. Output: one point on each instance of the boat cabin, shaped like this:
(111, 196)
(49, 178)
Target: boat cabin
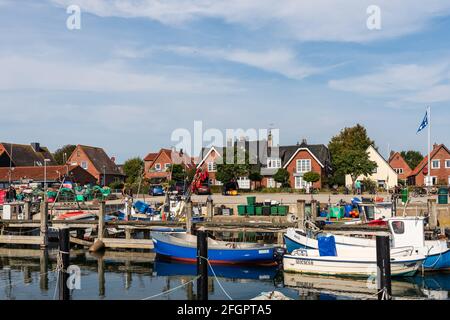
(407, 231)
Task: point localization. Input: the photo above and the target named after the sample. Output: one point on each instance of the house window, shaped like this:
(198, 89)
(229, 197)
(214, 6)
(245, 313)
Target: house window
(270, 183)
(375, 170)
(433, 180)
(212, 166)
(447, 164)
(399, 170)
(435, 164)
(304, 165)
(84, 165)
(166, 166)
(300, 183)
(273, 163)
(158, 167)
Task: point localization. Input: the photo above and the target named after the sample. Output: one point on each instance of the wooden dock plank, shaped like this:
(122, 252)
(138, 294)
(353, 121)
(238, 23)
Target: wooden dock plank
(21, 240)
(128, 244)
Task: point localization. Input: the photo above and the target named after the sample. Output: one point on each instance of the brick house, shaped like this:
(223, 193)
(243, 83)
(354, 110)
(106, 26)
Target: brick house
(400, 166)
(51, 174)
(20, 155)
(97, 163)
(297, 160)
(440, 168)
(157, 164)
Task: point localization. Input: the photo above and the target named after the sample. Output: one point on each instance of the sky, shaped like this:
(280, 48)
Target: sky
(137, 70)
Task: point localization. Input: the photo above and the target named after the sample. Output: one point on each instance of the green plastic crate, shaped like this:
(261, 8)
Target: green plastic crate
(241, 210)
(258, 210)
(283, 210)
(337, 212)
(251, 201)
(251, 210)
(274, 210)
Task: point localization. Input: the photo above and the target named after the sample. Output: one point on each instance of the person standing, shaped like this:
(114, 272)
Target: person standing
(358, 187)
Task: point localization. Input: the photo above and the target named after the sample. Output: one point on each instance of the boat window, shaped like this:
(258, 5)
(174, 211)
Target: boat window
(398, 227)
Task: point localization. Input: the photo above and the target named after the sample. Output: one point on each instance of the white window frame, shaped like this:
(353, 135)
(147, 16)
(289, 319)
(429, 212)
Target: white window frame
(434, 180)
(302, 185)
(447, 163)
(166, 166)
(439, 164)
(273, 163)
(212, 166)
(301, 167)
(399, 170)
(448, 180)
(85, 166)
(158, 167)
(271, 183)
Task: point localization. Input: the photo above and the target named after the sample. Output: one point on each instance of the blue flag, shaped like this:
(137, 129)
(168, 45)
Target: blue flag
(424, 123)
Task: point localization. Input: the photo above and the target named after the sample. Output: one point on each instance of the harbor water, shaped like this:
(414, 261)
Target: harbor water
(29, 274)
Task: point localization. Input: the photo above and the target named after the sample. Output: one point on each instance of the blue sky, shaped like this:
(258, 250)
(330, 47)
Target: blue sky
(138, 70)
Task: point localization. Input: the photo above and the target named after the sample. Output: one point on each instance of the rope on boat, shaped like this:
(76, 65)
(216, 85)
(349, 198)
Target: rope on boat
(216, 278)
(172, 290)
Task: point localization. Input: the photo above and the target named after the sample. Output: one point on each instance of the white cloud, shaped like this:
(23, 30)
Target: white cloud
(406, 83)
(282, 61)
(35, 73)
(319, 20)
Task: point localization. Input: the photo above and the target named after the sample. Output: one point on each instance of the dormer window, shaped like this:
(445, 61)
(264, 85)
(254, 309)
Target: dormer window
(273, 163)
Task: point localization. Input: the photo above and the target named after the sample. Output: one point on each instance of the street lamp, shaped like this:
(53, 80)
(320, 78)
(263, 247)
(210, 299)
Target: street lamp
(104, 176)
(45, 174)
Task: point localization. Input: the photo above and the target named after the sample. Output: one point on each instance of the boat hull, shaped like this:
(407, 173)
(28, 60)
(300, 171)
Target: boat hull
(219, 256)
(336, 266)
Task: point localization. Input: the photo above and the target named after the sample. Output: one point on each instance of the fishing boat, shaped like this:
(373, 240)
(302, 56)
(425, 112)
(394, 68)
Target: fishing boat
(182, 246)
(351, 262)
(406, 232)
(77, 215)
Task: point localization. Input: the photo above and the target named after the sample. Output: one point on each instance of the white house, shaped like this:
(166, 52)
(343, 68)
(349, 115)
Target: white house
(384, 175)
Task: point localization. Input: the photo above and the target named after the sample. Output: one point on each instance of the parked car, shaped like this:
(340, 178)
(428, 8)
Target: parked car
(156, 190)
(230, 189)
(179, 187)
(204, 189)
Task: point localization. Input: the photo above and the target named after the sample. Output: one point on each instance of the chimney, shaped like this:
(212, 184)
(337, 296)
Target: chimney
(36, 146)
(270, 140)
(304, 141)
(435, 145)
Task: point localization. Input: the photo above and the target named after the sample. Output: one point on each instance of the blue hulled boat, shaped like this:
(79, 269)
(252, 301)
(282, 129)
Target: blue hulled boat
(183, 247)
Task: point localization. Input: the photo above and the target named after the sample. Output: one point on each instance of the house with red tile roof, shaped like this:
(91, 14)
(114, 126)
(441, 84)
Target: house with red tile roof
(440, 168)
(51, 174)
(157, 165)
(398, 163)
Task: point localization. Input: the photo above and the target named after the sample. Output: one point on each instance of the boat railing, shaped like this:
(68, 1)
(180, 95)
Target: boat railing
(409, 249)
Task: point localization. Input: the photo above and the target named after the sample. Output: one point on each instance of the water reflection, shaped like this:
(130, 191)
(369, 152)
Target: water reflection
(27, 274)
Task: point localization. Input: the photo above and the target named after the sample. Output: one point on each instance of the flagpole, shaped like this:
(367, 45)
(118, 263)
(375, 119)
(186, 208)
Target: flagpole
(429, 146)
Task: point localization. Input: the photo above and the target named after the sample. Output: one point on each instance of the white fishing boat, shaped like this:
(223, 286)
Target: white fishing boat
(405, 232)
(354, 262)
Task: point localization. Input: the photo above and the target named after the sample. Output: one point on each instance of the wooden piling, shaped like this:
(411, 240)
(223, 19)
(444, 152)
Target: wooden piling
(101, 276)
(313, 210)
(301, 211)
(188, 209)
(64, 255)
(43, 268)
(101, 220)
(433, 216)
(210, 208)
(384, 288)
(27, 210)
(202, 265)
(44, 224)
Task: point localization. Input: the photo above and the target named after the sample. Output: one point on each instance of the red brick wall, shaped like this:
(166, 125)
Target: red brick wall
(211, 157)
(441, 174)
(397, 162)
(79, 156)
(315, 166)
(161, 159)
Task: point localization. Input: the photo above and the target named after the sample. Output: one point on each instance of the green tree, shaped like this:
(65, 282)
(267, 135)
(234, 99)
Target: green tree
(351, 142)
(230, 172)
(311, 177)
(62, 154)
(178, 172)
(133, 169)
(282, 176)
(354, 163)
(412, 158)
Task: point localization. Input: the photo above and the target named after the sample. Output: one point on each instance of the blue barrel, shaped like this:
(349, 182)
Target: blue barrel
(348, 209)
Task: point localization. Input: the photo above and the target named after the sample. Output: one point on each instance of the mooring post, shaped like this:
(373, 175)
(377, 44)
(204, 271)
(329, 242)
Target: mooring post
(101, 220)
(63, 263)
(313, 210)
(43, 268)
(210, 208)
(301, 211)
(188, 209)
(384, 268)
(394, 205)
(129, 204)
(433, 217)
(202, 265)
(101, 276)
(27, 210)
(44, 223)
